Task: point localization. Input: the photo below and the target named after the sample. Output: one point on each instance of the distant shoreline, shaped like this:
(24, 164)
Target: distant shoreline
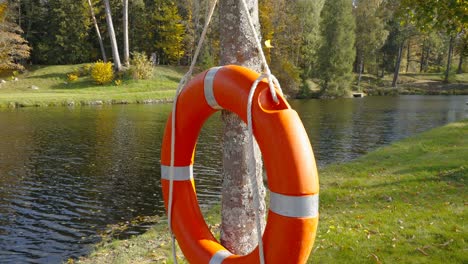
(43, 86)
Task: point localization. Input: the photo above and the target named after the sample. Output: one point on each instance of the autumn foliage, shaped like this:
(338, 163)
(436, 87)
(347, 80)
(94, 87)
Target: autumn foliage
(102, 72)
(13, 47)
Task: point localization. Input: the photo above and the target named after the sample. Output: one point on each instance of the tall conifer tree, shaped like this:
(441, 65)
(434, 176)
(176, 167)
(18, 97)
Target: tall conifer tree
(337, 53)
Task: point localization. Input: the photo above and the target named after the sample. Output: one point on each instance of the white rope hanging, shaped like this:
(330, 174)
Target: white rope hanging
(272, 82)
(180, 87)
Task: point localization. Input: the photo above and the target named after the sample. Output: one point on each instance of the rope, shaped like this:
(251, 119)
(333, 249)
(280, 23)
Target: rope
(180, 87)
(253, 168)
(272, 82)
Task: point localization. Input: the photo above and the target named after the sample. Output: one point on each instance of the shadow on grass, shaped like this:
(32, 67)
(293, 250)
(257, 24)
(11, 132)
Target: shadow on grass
(76, 85)
(171, 78)
(48, 76)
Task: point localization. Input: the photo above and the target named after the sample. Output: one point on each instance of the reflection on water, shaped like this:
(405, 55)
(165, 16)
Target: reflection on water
(67, 173)
(341, 130)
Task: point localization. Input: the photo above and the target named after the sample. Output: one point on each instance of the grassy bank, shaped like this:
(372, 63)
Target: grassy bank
(415, 83)
(55, 89)
(49, 86)
(404, 203)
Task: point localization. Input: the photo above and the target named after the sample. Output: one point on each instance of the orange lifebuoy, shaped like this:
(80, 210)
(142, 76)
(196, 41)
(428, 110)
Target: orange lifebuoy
(288, 159)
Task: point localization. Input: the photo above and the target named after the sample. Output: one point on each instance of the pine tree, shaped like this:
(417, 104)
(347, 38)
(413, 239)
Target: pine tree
(140, 31)
(370, 33)
(13, 47)
(309, 15)
(169, 32)
(68, 30)
(337, 51)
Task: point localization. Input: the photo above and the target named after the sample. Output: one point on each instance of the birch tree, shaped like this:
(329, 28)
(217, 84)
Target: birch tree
(125, 33)
(110, 25)
(98, 32)
(238, 232)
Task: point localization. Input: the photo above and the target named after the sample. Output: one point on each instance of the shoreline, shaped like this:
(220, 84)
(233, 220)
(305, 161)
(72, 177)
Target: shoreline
(164, 100)
(71, 103)
(48, 86)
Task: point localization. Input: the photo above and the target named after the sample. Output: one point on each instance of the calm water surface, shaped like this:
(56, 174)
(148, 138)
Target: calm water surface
(66, 173)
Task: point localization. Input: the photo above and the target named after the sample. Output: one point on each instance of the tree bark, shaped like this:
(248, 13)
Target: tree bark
(396, 73)
(449, 60)
(101, 44)
(426, 59)
(460, 65)
(460, 61)
(408, 56)
(238, 228)
(421, 62)
(125, 34)
(110, 25)
(361, 66)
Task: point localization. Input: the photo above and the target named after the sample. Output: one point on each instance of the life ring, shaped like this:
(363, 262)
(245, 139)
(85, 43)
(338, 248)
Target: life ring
(288, 159)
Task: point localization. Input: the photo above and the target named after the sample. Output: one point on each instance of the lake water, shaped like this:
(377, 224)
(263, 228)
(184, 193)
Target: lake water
(66, 173)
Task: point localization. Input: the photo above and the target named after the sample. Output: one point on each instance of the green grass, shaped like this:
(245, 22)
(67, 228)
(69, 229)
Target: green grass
(55, 89)
(400, 204)
(414, 83)
(404, 203)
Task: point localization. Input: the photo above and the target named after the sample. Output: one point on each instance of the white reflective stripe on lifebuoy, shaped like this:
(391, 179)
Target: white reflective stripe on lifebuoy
(219, 256)
(208, 88)
(184, 173)
(294, 206)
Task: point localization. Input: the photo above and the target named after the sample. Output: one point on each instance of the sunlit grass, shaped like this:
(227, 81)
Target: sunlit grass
(404, 203)
(55, 89)
(400, 204)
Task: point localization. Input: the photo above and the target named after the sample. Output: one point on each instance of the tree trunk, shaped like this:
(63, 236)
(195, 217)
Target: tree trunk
(460, 65)
(397, 66)
(449, 60)
(408, 56)
(361, 66)
(421, 62)
(238, 228)
(125, 34)
(426, 59)
(382, 73)
(460, 61)
(110, 25)
(29, 12)
(101, 44)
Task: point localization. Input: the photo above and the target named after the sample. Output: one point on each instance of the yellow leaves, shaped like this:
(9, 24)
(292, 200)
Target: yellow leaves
(3, 7)
(268, 44)
(102, 72)
(72, 77)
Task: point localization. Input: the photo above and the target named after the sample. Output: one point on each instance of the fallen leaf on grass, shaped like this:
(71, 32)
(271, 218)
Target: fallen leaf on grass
(446, 243)
(422, 250)
(376, 258)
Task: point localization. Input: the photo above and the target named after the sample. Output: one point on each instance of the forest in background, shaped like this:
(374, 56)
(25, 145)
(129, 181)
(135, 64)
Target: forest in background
(320, 42)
